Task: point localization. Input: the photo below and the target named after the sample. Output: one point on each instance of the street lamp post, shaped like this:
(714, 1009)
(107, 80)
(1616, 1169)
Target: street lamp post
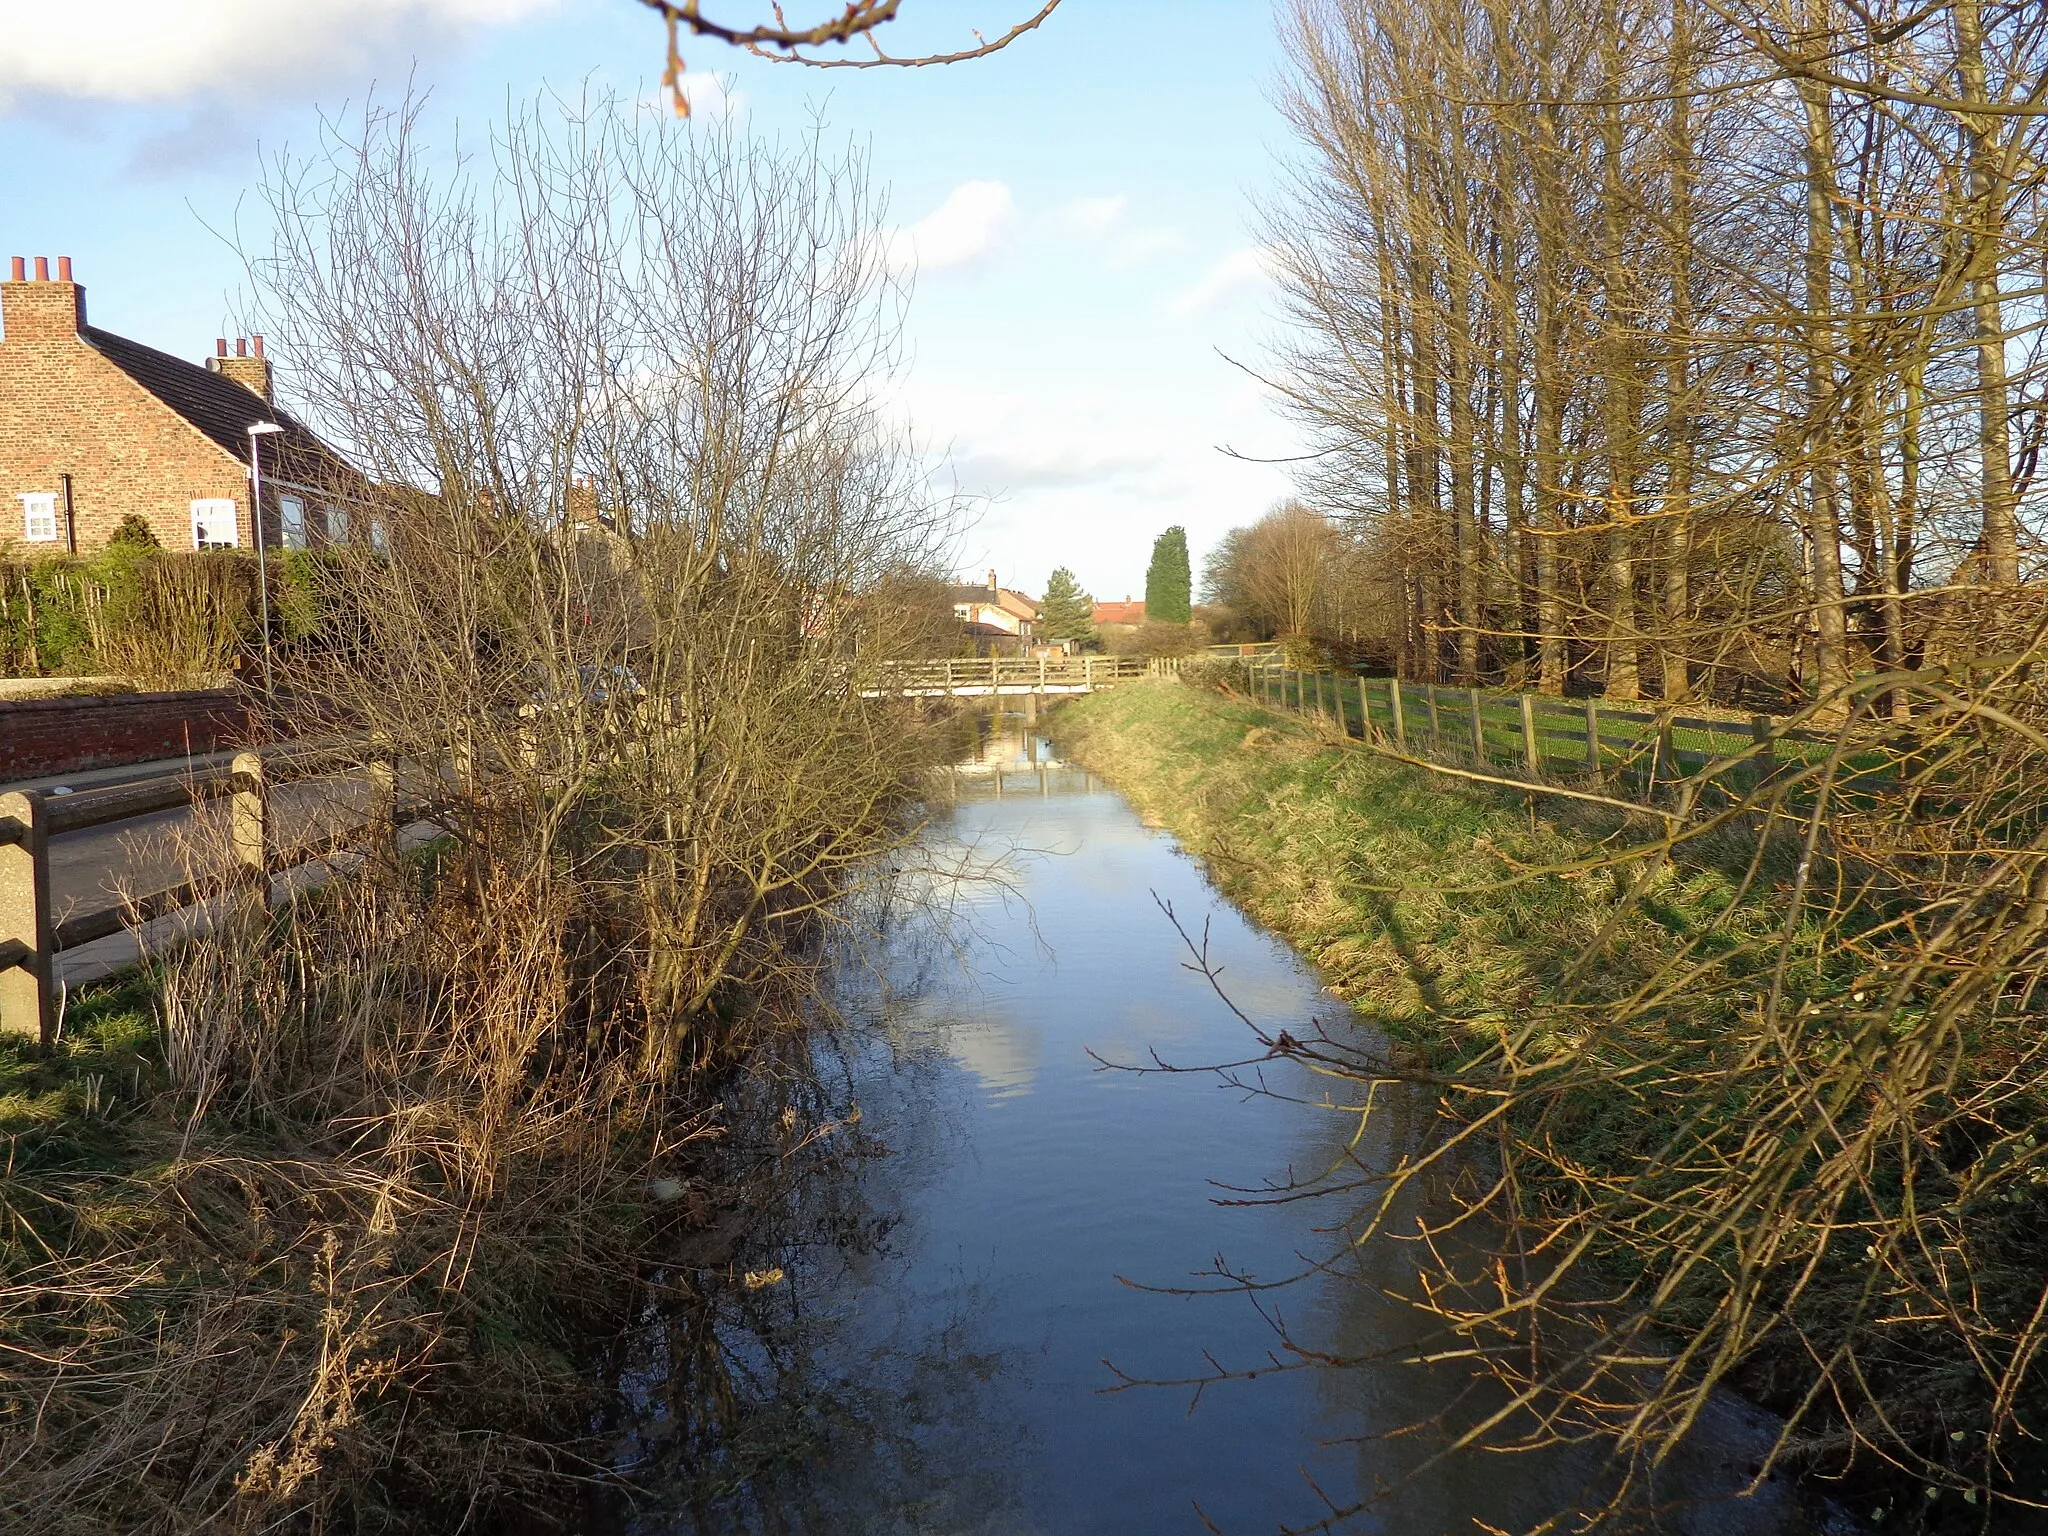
(259, 430)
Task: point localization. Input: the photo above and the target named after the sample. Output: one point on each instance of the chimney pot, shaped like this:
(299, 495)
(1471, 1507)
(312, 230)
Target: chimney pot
(63, 269)
(241, 346)
(256, 344)
(44, 311)
(220, 346)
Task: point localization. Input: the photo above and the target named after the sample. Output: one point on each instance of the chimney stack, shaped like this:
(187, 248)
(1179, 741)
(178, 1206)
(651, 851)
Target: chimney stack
(992, 582)
(251, 371)
(39, 309)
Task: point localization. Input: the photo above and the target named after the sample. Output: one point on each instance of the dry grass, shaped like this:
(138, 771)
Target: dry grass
(305, 1231)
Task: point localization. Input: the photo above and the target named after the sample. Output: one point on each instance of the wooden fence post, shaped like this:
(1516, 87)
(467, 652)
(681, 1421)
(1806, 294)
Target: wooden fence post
(1478, 728)
(1532, 757)
(28, 1000)
(1088, 674)
(1400, 719)
(383, 825)
(1364, 711)
(1593, 737)
(1435, 724)
(248, 821)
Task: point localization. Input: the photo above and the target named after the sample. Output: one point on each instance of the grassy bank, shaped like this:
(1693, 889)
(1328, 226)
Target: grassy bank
(1719, 1093)
(1411, 894)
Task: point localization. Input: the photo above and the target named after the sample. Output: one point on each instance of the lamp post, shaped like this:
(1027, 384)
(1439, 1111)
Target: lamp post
(259, 430)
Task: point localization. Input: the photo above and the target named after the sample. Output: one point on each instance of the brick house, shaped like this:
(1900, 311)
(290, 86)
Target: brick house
(996, 619)
(94, 427)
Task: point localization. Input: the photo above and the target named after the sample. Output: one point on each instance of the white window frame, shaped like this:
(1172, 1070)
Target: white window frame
(291, 522)
(39, 518)
(337, 525)
(213, 513)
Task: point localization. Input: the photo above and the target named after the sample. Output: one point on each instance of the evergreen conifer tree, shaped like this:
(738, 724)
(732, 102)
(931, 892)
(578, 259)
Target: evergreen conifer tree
(1067, 613)
(1168, 580)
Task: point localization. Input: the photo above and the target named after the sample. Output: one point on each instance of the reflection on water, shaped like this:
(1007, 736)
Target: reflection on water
(955, 1312)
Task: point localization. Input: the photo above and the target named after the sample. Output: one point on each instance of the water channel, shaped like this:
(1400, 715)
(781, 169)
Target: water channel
(950, 1310)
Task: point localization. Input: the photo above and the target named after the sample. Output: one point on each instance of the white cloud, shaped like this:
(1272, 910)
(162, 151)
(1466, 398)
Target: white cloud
(1240, 272)
(1093, 215)
(1039, 466)
(166, 51)
(975, 218)
(1105, 223)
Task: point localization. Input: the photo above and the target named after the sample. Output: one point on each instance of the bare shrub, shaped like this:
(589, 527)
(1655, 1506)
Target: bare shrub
(597, 659)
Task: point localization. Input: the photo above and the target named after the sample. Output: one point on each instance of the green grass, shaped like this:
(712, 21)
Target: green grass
(1419, 900)
(107, 1059)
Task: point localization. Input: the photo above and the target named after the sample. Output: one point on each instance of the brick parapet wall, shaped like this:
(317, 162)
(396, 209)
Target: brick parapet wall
(45, 736)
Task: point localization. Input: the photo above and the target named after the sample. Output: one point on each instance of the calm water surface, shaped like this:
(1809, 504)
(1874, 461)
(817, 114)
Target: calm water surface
(955, 1309)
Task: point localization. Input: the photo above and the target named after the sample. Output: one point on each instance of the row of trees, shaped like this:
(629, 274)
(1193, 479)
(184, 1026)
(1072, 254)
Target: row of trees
(1658, 347)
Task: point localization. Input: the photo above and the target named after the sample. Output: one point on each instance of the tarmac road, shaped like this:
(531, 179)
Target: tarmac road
(95, 867)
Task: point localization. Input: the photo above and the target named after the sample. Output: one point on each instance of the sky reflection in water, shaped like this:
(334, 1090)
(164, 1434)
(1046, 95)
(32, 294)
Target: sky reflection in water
(953, 1358)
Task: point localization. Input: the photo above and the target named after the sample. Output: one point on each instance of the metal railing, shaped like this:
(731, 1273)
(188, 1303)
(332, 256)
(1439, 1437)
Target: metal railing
(30, 936)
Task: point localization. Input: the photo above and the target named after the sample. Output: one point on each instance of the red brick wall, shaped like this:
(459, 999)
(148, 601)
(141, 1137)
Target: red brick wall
(65, 409)
(45, 736)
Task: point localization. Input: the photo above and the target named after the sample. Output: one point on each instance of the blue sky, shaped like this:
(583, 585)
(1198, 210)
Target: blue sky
(1081, 208)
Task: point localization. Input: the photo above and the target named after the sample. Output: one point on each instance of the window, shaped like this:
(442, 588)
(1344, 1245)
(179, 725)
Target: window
(378, 540)
(337, 524)
(213, 523)
(291, 522)
(39, 517)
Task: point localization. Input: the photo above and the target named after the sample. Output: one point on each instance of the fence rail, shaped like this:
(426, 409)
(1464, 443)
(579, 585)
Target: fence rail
(1639, 752)
(31, 938)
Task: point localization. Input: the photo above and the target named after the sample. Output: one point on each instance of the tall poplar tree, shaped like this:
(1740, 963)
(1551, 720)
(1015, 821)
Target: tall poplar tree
(1168, 579)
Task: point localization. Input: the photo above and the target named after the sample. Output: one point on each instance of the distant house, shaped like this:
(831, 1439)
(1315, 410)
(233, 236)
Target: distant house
(997, 620)
(1123, 615)
(95, 427)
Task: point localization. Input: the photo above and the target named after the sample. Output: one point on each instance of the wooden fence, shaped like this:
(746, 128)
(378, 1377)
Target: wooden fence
(968, 677)
(30, 938)
(1537, 736)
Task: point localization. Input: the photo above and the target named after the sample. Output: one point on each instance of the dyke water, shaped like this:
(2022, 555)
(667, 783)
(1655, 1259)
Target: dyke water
(940, 1327)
